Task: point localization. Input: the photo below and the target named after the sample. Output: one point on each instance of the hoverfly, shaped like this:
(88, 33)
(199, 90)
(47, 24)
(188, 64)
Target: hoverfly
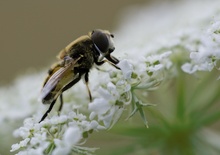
(76, 60)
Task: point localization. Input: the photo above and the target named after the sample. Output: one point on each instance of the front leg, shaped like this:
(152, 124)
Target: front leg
(99, 63)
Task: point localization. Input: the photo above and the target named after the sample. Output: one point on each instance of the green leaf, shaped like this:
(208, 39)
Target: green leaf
(143, 116)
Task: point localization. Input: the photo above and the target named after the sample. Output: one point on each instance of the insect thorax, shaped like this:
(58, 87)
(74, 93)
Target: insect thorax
(84, 49)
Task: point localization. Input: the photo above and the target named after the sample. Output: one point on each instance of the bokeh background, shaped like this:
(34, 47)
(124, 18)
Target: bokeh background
(33, 32)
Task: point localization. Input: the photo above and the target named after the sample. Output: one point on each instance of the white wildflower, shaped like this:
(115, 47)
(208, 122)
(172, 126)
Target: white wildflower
(207, 53)
(189, 68)
(32, 151)
(15, 147)
(61, 147)
(22, 144)
(99, 106)
(126, 68)
(72, 135)
(157, 62)
(65, 131)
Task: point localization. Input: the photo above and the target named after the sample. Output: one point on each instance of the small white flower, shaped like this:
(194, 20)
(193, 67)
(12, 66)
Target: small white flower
(110, 118)
(24, 142)
(165, 55)
(123, 86)
(21, 132)
(62, 119)
(99, 106)
(72, 135)
(155, 68)
(157, 62)
(126, 68)
(112, 89)
(15, 147)
(189, 68)
(92, 115)
(93, 124)
(104, 93)
(38, 138)
(61, 147)
(70, 138)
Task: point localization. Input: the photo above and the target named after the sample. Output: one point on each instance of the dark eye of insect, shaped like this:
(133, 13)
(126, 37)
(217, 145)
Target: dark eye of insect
(100, 40)
(112, 35)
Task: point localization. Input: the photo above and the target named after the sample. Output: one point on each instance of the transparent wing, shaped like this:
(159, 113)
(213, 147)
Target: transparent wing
(60, 78)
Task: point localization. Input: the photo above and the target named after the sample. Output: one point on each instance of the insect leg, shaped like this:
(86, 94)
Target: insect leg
(61, 103)
(72, 83)
(99, 63)
(112, 64)
(87, 85)
(48, 111)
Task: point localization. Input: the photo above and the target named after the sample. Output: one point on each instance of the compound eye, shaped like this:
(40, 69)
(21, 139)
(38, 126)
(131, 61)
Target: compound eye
(101, 40)
(111, 50)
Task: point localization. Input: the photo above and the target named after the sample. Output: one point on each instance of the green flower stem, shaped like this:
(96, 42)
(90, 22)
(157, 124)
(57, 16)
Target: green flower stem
(50, 148)
(203, 112)
(201, 86)
(180, 111)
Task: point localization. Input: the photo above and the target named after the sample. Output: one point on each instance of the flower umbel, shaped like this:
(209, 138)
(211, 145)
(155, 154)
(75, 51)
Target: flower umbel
(207, 53)
(65, 133)
(55, 135)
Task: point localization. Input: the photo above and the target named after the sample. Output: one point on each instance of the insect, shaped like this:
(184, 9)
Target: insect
(75, 62)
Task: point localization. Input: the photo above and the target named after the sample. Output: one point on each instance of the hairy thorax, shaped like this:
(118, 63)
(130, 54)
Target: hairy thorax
(82, 47)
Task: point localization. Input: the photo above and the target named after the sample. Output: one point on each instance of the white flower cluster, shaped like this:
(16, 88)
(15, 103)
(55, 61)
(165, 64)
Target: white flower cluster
(116, 91)
(205, 56)
(28, 103)
(57, 135)
(186, 29)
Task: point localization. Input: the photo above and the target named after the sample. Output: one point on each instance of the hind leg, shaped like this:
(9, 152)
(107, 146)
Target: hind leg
(48, 111)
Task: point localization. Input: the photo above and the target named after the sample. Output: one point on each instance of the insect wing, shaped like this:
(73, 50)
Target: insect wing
(56, 82)
(52, 82)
